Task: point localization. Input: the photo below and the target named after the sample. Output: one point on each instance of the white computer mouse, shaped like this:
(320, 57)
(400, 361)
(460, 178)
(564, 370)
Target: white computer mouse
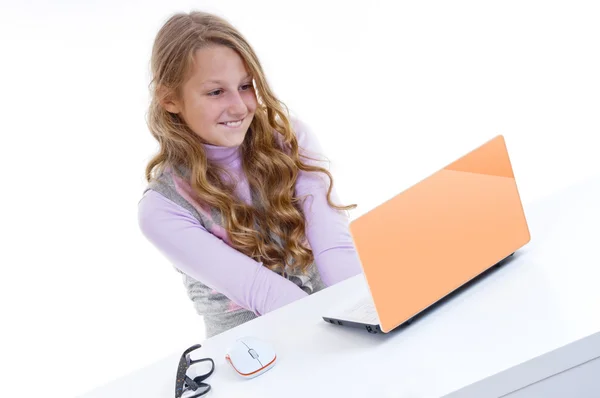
(251, 357)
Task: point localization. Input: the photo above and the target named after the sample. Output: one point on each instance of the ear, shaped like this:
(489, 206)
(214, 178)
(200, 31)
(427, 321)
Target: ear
(167, 101)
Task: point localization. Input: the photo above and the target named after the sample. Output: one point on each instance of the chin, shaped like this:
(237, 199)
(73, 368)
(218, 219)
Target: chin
(232, 144)
(234, 138)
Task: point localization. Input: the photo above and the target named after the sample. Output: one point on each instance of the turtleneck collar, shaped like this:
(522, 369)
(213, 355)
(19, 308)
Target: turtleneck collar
(221, 154)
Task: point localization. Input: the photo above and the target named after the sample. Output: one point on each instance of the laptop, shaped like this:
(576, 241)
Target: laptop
(435, 239)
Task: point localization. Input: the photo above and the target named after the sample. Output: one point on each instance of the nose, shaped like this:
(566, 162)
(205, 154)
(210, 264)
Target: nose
(237, 106)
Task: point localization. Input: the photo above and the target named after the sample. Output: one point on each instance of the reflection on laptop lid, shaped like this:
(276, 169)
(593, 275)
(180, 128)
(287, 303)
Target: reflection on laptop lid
(439, 234)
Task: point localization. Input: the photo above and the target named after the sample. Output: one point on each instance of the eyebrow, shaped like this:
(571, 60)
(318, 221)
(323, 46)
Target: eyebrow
(220, 82)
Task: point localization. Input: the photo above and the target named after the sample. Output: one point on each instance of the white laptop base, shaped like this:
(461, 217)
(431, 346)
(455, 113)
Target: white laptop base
(361, 314)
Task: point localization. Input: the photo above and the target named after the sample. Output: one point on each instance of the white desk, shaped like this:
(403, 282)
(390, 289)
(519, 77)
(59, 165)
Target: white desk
(546, 297)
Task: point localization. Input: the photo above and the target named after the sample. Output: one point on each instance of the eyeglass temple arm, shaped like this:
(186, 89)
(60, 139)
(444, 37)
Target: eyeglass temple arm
(192, 348)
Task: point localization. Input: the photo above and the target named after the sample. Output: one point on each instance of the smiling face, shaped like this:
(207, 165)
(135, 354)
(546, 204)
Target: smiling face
(219, 92)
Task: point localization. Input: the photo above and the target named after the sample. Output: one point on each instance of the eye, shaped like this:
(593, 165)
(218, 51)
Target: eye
(216, 92)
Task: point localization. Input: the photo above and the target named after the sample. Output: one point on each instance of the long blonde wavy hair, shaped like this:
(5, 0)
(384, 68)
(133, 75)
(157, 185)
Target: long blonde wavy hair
(272, 170)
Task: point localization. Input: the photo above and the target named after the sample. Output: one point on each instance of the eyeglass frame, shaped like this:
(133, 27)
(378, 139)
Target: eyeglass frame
(183, 382)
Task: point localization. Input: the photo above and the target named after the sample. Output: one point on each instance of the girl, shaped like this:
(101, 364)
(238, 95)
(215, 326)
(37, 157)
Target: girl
(237, 198)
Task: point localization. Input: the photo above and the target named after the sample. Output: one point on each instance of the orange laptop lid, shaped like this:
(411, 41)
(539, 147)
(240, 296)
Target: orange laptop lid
(429, 240)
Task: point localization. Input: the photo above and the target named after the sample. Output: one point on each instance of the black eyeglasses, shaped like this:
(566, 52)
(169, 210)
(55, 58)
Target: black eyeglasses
(183, 383)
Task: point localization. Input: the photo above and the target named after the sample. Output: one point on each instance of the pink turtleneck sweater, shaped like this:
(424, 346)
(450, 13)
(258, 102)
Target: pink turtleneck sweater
(178, 235)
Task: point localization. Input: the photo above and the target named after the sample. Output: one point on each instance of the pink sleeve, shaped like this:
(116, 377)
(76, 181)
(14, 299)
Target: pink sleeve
(181, 238)
(328, 231)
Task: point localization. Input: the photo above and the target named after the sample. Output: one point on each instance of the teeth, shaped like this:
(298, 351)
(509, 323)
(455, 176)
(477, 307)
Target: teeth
(233, 124)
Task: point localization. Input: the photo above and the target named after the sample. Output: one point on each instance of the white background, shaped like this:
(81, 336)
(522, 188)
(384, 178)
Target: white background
(394, 90)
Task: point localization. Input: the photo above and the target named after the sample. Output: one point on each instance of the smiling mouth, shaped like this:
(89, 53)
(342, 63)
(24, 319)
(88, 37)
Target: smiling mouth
(233, 124)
